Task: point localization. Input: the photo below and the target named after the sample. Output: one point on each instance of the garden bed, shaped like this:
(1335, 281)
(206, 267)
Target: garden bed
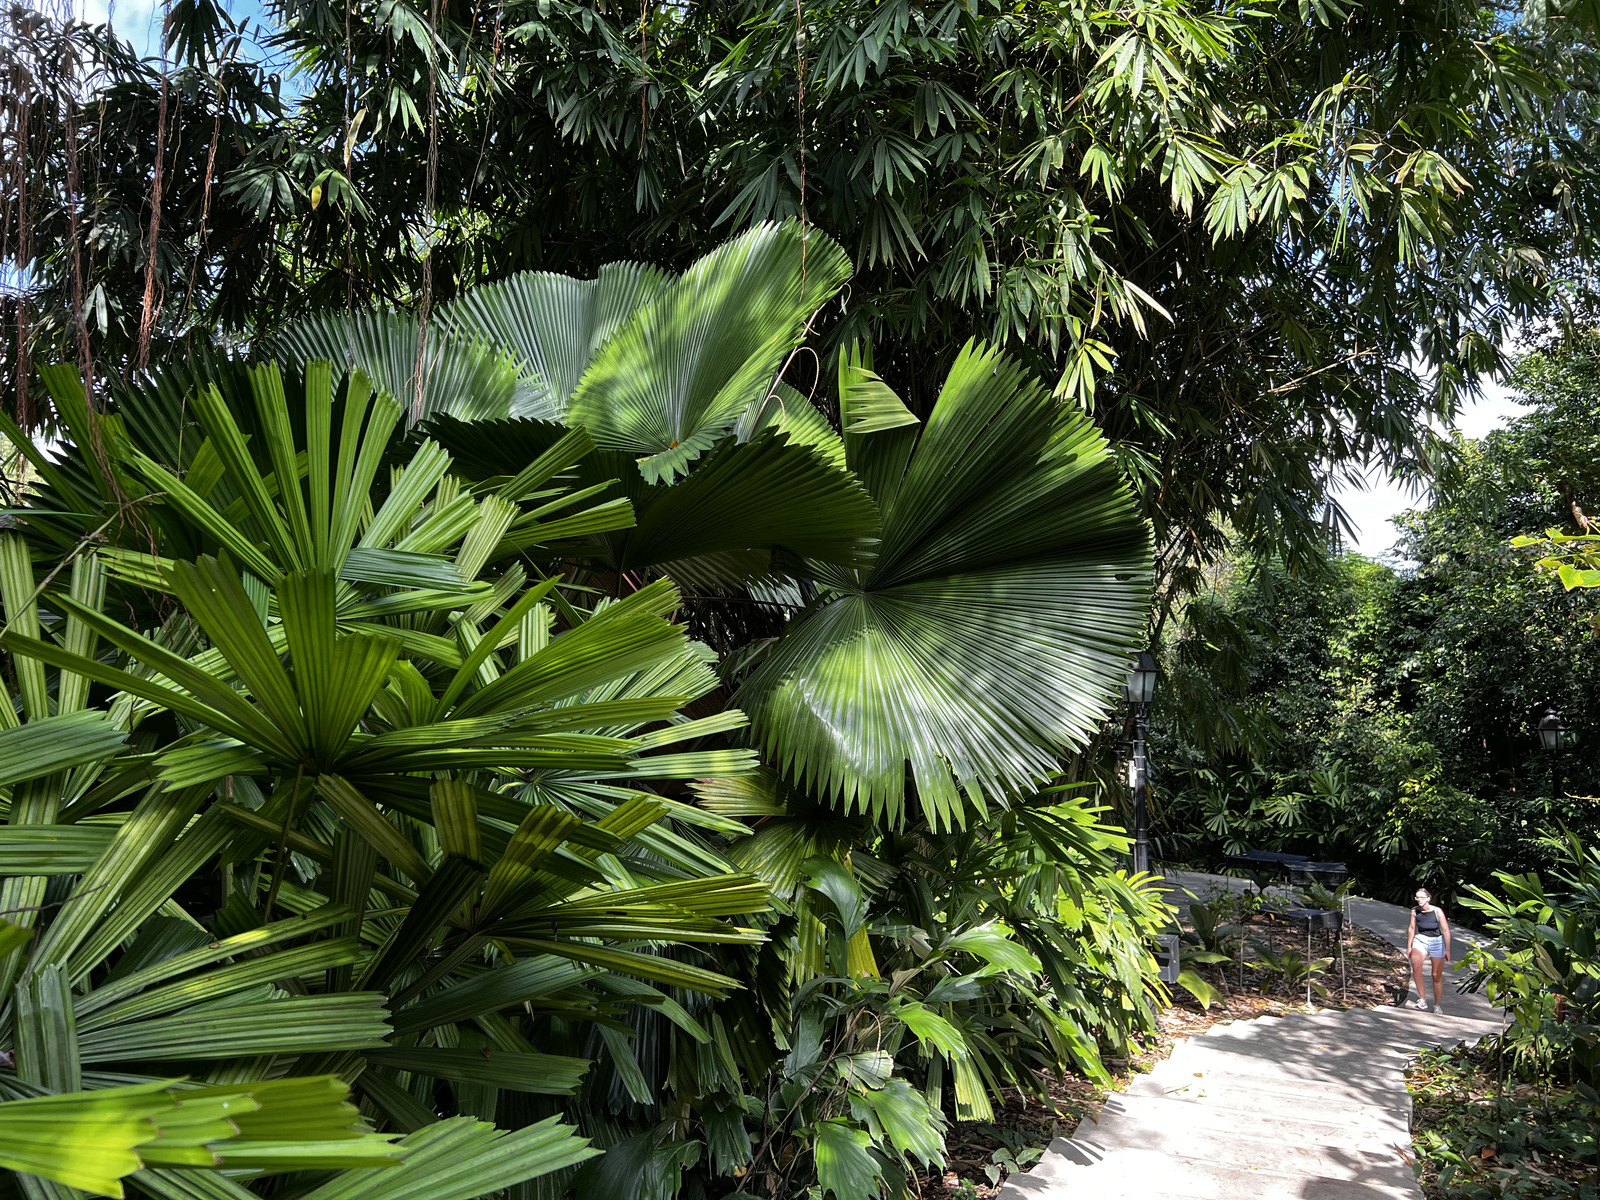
(1478, 1137)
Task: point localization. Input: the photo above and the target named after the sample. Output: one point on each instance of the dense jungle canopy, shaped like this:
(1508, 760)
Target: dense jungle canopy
(1261, 244)
(568, 571)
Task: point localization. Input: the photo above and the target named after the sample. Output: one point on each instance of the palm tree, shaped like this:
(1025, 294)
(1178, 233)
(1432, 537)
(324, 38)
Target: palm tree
(967, 593)
(441, 679)
(425, 793)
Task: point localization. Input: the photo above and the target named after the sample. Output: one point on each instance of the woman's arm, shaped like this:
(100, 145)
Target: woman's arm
(1444, 928)
(1411, 929)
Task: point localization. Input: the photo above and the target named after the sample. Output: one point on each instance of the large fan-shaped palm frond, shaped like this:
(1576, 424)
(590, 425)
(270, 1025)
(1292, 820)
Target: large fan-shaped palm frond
(677, 376)
(991, 632)
(553, 325)
(463, 375)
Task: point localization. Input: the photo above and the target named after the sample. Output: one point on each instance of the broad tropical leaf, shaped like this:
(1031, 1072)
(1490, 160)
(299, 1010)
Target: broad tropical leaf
(676, 377)
(464, 376)
(995, 624)
(553, 326)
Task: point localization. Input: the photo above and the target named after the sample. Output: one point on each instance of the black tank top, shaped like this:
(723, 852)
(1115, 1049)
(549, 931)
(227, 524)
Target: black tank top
(1427, 922)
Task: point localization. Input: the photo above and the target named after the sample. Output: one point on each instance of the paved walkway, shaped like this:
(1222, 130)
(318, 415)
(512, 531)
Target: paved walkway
(1310, 1106)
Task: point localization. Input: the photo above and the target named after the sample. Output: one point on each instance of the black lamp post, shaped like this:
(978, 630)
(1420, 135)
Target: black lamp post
(1140, 690)
(1553, 736)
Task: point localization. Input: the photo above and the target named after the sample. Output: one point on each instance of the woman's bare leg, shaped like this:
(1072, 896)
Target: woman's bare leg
(1438, 982)
(1416, 972)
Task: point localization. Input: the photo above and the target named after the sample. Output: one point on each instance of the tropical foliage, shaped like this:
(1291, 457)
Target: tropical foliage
(1216, 225)
(1518, 1113)
(1387, 715)
(429, 814)
(356, 748)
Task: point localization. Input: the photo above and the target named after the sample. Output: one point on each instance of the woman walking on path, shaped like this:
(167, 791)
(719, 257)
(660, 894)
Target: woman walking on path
(1428, 937)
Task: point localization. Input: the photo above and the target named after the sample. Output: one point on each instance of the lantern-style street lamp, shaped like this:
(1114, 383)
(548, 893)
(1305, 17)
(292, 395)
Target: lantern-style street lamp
(1553, 737)
(1140, 690)
(1551, 729)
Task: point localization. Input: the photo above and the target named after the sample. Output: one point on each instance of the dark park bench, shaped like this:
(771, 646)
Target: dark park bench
(1299, 869)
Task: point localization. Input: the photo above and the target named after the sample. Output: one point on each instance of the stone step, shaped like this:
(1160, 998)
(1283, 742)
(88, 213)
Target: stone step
(1405, 1028)
(1310, 1069)
(1295, 1053)
(1143, 1174)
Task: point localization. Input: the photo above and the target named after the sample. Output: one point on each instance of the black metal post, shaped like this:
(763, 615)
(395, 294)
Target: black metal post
(1141, 792)
(1555, 788)
(1550, 803)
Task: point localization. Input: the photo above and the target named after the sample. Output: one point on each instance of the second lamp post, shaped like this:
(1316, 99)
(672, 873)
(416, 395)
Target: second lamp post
(1553, 736)
(1141, 689)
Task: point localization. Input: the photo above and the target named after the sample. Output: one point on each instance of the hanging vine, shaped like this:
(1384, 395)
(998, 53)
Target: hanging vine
(152, 252)
(424, 309)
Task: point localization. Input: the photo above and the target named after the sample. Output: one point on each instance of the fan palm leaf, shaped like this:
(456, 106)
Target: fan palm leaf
(553, 326)
(461, 375)
(994, 626)
(677, 376)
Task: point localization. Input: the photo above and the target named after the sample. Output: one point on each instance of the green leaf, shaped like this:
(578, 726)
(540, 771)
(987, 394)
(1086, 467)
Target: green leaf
(462, 375)
(438, 901)
(461, 1159)
(654, 967)
(682, 370)
(86, 1140)
(455, 819)
(12, 937)
(526, 981)
(763, 495)
(834, 881)
(901, 1115)
(44, 746)
(845, 1167)
(932, 1029)
(1197, 987)
(217, 982)
(400, 568)
(553, 325)
(246, 1026)
(542, 1074)
(335, 677)
(363, 817)
(1012, 553)
(866, 403)
(251, 942)
(51, 849)
(993, 943)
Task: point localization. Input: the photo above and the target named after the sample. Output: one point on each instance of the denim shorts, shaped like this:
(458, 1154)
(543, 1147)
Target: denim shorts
(1433, 947)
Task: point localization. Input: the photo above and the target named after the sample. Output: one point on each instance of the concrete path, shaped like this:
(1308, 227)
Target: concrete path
(1310, 1106)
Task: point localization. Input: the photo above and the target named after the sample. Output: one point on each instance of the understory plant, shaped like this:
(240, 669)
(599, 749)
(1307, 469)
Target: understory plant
(1479, 1134)
(1544, 967)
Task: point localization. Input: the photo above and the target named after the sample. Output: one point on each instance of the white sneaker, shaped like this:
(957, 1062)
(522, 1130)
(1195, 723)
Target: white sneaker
(1420, 1004)
(1439, 1009)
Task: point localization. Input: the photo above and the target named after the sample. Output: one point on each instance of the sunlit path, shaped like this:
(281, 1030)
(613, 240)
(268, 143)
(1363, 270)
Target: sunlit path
(1309, 1106)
